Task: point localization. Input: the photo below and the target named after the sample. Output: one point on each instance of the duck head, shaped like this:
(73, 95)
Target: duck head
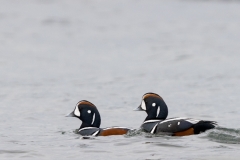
(154, 106)
(87, 113)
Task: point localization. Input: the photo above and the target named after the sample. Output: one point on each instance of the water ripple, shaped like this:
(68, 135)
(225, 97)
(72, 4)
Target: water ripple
(225, 135)
(12, 151)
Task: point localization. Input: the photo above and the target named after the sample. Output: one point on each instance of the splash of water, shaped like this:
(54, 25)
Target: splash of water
(135, 132)
(140, 132)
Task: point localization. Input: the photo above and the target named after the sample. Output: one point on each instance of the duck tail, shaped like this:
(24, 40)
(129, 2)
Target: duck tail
(202, 126)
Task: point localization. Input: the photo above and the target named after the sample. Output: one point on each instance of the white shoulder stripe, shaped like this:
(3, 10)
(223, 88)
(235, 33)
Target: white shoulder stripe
(152, 131)
(95, 133)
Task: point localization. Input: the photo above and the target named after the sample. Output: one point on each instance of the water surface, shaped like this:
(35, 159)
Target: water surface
(56, 53)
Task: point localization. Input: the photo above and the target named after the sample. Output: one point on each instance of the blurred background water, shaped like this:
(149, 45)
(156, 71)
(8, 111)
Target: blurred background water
(55, 53)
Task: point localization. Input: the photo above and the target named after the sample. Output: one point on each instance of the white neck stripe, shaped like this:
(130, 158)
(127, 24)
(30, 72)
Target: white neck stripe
(158, 111)
(93, 118)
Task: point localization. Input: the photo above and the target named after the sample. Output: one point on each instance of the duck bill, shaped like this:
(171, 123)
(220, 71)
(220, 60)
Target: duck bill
(138, 108)
(71, 114)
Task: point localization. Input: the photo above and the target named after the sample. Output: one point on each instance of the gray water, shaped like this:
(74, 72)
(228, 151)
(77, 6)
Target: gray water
(55, 53)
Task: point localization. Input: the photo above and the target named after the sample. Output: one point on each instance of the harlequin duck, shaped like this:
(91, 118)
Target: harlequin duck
(156, 121)
(91, 120)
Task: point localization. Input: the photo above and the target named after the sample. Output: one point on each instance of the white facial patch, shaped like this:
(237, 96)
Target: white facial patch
(154, 104)
(178, 123)
(158, 111)
(93, 119)
(76, 111)
(89, 111)
(143, 105)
